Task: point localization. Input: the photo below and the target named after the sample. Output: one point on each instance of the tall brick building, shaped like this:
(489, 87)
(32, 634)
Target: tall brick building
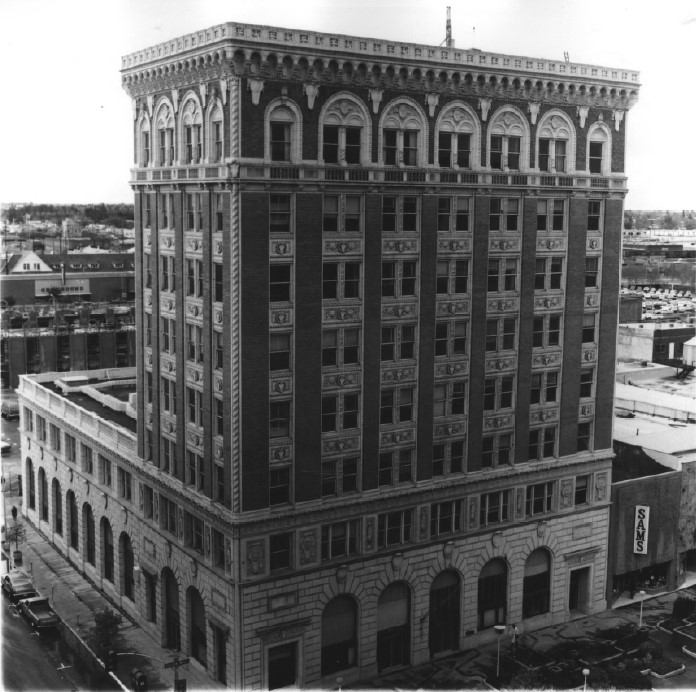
(377, 302)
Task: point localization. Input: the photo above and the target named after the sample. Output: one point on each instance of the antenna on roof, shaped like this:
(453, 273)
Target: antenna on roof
(448, 31)
(566, 56)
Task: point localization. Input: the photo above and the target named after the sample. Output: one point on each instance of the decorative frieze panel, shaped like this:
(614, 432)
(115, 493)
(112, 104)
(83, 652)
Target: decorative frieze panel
(461, 245)
(308, 547)
(566, 493)
(344, 379)
(217, 247)
(450, 428)
(343, 247)
(256, 558)
(194, 309)
(194, 244)
(581, 557)
(148, 297)
(451, 368)
(280, 318)
(194, 373)
(540, 360)
(194, 439)
(586, 410)
(343, 444)
(500, 364)
(217, 316)
(498, 422)
(553, 302)
(280, 453)
(399, 311)
(589, 355)
(594, 243)
(147, 239)
(167, 305)
(519, 503)
(219, 451)
(600, 487)
(166, 240)
(400, 246)
(543, 415)
(550, 245)
(280, 386)
(473, 512)
(504, 245)
(169, 425)
(217, 384)
(502, 305)
(453, 307)
(592, 299)
(398, 374)
(342, 314)
(395, 437)
(281, 248)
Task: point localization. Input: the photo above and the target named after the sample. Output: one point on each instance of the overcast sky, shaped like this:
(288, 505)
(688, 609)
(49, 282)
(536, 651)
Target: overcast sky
(66, 122)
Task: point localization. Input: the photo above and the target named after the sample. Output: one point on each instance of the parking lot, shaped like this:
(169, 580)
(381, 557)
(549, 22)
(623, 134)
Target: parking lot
(662, 304)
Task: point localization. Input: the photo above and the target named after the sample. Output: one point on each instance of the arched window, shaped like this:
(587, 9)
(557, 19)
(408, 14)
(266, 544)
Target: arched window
(72, 520)
(57, 508)
(31, 484)
(196, 612)
(536, 595)
(508, 140)
(43, 495)
(216, 150)
(404, 134)
(458, 137)
(344, 136)
(339, 635)
(492, 594)
(170, 594)
(107, 539)
(444, 612)
(555, 143)
(127, 561)
(165, 135)
(192, 134)
(283, 133)
(88, 542)
(394, 626)
(599, 149)
(144, 142)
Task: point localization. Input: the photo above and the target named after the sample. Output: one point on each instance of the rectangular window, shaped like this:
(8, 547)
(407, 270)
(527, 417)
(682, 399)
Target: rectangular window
(279, 486)
(339, 540)
(453, 214)
(582, 488)
(410, 153)
(496, 450)
(339, 412)
(496, 155)
(193, 532)
(104, 471)
(194, 399)
(502, 275)
(341, 280)
(168, 395)
(168, 515)
(279, 351)
(87, 460)
(448, 458)
(194, 343)
(342, 214)
(218, 551)
(218, 286)
(330, 150)
(219, 345)
(588, 328)
(70, 448)
(498, 392)
(340, 347)
(280, 283)
(395, 467)
(542, 443)
(446, 518)
(452, 277)
(549, 274)
(591, 272)
(394, 528)
(353, 145)
(195, 470)
(396, 405)
(400, 214)
(544, 388)
(398, 279)
(584, 437)
(594, 215)
(494, 508)
(339, 477)
(280, 142)
(279, 419)
(539, 498)
(398, 343)
(449, 399)
(125, 484)
(54, 436)
(546, 331)
(390, 150)
(501, 334)
(451, 338)
(148, 501)
(280, 214)
(586, 383)
(219, 409)
(280, 553)
(596, 155)
(514, 147)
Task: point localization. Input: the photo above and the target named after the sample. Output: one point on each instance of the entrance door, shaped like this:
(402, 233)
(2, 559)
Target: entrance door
(393, 627)
(578, 594)
(444, 613)
(171, 610)
(220, 654)
(282, 666)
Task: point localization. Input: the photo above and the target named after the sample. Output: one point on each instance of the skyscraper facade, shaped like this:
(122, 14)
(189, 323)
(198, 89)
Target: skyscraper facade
(377, 304)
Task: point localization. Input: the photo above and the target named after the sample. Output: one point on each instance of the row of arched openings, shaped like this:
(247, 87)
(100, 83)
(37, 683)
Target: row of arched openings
(340, 618)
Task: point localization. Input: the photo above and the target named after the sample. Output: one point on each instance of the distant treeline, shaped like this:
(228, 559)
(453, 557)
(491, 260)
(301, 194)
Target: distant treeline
(119, 215)
(669, 220)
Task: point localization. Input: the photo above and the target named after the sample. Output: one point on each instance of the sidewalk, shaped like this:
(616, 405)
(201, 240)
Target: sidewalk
(76, 600)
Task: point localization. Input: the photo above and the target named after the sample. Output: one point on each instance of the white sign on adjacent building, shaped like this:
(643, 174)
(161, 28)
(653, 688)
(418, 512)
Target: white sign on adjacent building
(640, 530)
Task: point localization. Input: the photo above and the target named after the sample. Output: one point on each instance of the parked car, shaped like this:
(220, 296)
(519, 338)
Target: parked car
(38, 612)
(16, 585)
(9, 410)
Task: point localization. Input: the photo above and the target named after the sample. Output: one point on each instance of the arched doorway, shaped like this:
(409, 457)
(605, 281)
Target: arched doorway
(339, 635)
(492, 594)
(444, 612)
(31, 484)
(73, 527)
(43, 495)
(107, 541)
(172, 627)
(394, 626)
(89, 551)
(125, 548)
(57, 507)
(536, 596)
(198, 646)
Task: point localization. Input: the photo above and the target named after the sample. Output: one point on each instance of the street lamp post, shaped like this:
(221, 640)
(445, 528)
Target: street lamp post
(499, 629)
(585, 673)
(642, 598)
